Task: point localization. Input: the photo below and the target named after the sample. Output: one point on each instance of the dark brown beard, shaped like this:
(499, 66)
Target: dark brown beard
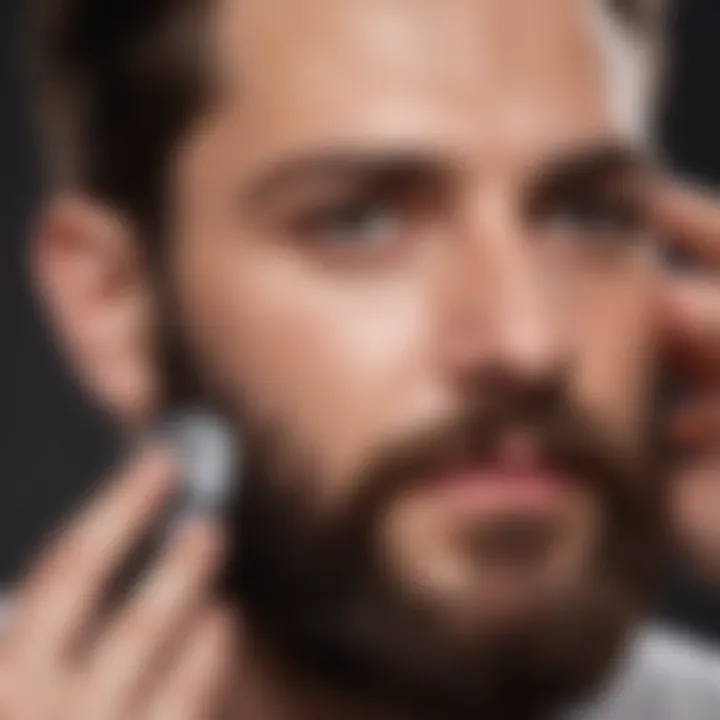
(316, 588)
(317, 592)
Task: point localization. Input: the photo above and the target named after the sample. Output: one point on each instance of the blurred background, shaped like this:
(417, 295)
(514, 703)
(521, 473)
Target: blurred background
(53, 446)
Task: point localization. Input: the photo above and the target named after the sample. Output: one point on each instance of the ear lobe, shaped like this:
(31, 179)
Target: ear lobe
(89, 269)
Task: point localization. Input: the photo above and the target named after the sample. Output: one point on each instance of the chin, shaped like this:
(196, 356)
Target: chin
(450, 614)
(465, 636)
(482, 576)
(502, 644)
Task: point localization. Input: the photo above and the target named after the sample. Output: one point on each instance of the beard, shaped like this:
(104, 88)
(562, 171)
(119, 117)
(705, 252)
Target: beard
(318, 587)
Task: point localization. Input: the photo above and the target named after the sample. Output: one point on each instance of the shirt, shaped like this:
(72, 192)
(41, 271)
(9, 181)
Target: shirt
(663, 675)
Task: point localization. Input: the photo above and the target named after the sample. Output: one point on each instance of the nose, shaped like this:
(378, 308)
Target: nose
(504, 314)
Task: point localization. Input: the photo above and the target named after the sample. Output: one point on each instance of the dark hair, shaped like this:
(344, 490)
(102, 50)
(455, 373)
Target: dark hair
(118, 81)
(639, 14)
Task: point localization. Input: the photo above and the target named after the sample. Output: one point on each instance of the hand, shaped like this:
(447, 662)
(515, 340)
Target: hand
(164, 655)
(691, 319)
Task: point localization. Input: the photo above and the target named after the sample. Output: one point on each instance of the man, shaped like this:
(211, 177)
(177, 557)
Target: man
(409, 251)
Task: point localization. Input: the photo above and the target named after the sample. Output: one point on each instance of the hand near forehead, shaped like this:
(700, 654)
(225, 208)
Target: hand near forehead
(690, 220)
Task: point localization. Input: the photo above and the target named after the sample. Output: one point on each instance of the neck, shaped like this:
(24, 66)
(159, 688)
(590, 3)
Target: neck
(265, 685)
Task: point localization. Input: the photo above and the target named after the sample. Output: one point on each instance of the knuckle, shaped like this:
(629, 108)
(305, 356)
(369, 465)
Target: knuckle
(202, 549)
(65, 559)
(14, 696)
(140, 628)
(189, 696)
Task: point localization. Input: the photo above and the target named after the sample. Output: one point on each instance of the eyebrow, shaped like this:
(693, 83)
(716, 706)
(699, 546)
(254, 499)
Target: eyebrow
(576, 171)
(365, 167)
(587, 169)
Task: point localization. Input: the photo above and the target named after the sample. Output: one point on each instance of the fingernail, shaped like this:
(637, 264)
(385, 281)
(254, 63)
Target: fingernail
(201, 534)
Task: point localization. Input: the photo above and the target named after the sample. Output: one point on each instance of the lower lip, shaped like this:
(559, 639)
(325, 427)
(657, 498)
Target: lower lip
(499, 491)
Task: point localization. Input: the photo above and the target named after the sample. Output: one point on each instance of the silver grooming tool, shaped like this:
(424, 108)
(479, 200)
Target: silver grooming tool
(210, 459)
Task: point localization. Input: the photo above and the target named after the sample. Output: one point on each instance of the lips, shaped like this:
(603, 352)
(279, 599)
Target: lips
(515, 476)
(493, 488)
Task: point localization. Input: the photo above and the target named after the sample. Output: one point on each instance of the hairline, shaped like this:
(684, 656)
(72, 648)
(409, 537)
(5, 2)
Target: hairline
(72, 173)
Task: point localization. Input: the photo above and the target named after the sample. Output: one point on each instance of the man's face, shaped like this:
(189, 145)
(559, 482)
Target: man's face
(407, 262)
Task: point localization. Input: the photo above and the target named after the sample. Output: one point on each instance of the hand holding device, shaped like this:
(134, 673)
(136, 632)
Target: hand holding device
(165, 652)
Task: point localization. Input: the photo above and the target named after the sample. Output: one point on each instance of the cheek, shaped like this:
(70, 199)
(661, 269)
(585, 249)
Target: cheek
(329, 361)
(612, 326)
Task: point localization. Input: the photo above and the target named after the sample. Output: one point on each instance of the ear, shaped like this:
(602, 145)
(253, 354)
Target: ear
(89, 267)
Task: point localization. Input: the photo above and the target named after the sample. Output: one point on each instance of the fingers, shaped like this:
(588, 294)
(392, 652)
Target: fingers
(691, 323)
(696, 427)
(196, 686)
(694, 504)
(125, 667)
(162, 608)
(60, 594)
(690, 315)
(690, 219)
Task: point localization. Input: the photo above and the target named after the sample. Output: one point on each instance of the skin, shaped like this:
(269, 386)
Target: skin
(398, 332)
(349, 334)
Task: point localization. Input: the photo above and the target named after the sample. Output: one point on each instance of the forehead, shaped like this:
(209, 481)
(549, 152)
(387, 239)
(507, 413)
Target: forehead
(467, 75)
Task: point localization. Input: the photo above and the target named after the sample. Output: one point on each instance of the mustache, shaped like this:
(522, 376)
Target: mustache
(563, 434)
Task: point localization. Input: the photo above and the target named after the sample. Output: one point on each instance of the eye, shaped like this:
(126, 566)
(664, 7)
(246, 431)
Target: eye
(361, 223)
(594, 220)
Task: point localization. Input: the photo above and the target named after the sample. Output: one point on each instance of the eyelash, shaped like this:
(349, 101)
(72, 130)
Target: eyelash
(362, 223)
(601, 220)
